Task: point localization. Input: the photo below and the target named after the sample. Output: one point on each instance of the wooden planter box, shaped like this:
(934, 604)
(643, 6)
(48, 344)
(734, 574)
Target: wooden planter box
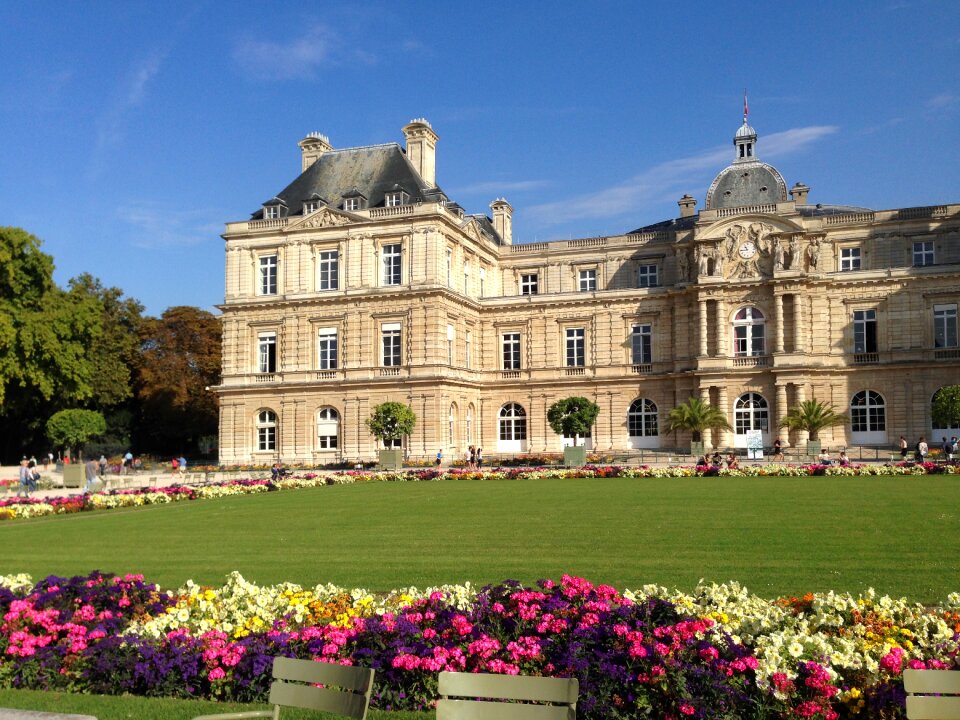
(74, 475)
(575, 456)
(391, 459)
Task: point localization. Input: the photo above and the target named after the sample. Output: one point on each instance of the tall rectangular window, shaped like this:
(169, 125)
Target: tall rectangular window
(466, 277)
(575, 347)
(268, 275)
(329, 269)
(849, 259)
(468, 350)
(945, 326)
(391, 264)
(483, 280)
(588, 280)
(449, 267)
(451, 336)
(390, 337)
(327, 349)
(267, 352)
(529, 284)
(647, 276)
(642, 344)
(511, 351)
(865, 331)
(923, 253)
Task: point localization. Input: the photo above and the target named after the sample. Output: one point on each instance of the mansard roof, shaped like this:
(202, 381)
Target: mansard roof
(372, 170)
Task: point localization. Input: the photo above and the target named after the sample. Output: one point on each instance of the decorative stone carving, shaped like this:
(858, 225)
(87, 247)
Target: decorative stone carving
(324, 218)
(683, 266)
(778, 254)
(793, 260)
(813, 254)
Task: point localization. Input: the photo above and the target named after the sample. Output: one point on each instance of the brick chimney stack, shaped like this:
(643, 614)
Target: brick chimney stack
(687, 206)
(799, 193)
(422, 149)
(503, 220)
(312, 147)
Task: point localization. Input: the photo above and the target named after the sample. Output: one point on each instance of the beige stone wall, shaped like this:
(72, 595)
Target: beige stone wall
(807, 311)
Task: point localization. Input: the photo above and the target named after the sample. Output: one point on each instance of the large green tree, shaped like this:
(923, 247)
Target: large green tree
(72, 429)
(45, 341)
(179, 359)
(573, 417)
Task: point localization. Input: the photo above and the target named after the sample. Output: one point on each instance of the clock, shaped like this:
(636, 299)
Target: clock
(747, 250)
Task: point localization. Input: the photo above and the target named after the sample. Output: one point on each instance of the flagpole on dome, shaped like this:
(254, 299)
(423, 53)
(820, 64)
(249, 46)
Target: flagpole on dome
(746, 110)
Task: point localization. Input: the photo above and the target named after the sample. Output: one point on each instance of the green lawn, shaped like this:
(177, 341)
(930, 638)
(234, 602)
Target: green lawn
(776, 535)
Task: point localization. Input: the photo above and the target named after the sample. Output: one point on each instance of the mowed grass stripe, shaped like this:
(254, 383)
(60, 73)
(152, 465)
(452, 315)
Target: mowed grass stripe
(776, 535)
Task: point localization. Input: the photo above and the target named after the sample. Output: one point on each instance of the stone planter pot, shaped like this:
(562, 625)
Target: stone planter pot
(391, 459)
(575, 456)
(813, 448)
(696, 449)
(74, 475)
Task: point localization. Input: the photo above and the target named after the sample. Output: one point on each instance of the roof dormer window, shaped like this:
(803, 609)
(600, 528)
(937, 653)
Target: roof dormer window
(312, 204)
(273, 209)
(353, 199)
(395, 198)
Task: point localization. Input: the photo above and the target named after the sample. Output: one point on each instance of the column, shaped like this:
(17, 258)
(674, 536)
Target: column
(726, 438)
(707, 434)
(780, 411)
(798, 345)
(778, 323)
(722, 333)
(703, 327)
(802, 436)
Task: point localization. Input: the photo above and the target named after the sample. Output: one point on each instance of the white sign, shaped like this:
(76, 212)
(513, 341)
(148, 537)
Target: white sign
(755, 444)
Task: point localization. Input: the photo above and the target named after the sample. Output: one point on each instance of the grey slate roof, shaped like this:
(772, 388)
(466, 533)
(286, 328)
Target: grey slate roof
(372, 170)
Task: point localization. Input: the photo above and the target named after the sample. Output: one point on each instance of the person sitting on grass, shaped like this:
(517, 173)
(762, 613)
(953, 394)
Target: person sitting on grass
(732, 463)
(824, 458)
(844, 460)
(702, 463)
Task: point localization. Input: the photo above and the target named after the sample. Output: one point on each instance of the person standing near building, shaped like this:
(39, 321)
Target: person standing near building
(91, 467)
(103, 465)
(25, 479)
(903, 449)
(479, 458)
(183, 466)
(778, 450)
(922, 449)
(439, 458)
(125, 465)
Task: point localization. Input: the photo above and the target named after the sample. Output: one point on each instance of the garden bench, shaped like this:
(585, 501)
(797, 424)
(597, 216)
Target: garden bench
(480, 696)
(932, 694)
(346, 690)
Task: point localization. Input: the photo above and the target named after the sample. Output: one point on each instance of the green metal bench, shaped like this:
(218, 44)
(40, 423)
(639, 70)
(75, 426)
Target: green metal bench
(479, 696)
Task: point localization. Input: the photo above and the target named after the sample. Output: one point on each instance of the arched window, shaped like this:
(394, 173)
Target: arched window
(642, 418)
(513, 422)
(748, 332)
(328, 428)
(868, 412)
(470, 424)
(266, 430)
(751, 413)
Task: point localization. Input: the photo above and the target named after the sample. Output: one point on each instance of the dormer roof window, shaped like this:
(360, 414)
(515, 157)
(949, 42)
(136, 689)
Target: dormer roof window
(353, 199)
(395, 197)
(274, 208)
(312, 204)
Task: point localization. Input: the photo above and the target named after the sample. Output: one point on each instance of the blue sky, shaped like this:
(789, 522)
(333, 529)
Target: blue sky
(132, 131)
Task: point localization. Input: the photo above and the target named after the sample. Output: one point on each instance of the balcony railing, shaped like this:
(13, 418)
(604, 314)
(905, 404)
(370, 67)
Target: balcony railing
(574, 371)
(643, 369)
(510, 375)
(947, 354)
(266, 377)
(389, 372)
(752, 361)
(327, 374)
(870, 358)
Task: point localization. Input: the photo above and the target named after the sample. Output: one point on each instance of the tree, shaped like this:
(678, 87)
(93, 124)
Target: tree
(946, 407)
(813, 416)
(45, 341)
(73, 428)
(696, 416)
(391, 421)
(179, 359)
(573, 417)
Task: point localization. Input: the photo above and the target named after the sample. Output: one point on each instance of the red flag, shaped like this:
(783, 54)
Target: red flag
(746, 110)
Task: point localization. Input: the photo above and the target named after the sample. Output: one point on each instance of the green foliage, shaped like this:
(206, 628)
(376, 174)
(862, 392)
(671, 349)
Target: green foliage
(73, 428)
(696, 416)
(391, 421)
(572, 416)
(813, 416)
(946, 407)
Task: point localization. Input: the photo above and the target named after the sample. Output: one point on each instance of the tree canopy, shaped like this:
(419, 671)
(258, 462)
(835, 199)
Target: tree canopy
(813, 416)
(73, 428)
(572, 416)
(946, 407)
(696, 416)
(391, 421)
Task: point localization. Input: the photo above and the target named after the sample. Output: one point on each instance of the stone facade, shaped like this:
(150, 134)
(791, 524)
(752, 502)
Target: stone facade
(390, 291)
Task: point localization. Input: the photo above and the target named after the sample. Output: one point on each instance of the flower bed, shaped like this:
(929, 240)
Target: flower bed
(715, 653)
(15, 507)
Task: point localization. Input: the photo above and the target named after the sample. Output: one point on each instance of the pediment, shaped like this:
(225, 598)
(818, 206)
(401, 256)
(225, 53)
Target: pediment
(748, 223)
(472, 228)
(323, 218)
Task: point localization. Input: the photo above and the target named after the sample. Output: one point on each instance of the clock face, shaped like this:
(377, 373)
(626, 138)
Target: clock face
(747, 250)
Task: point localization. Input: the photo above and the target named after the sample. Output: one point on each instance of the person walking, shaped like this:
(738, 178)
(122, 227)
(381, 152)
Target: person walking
(183, 466)
(103, 465)
(922, 449)
(479, 458)
(903, 449)
(25, 479)
(439, 458)
(778, 450)
(90, 468)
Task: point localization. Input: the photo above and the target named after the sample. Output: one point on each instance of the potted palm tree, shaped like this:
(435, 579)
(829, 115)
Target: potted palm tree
(696, 416)
(390, 422)
(813, 416)
(573, 416)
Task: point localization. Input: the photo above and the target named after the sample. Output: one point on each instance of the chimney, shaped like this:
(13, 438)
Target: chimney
(687, 205)
(799, 193)
(422, 149)
(313, 146)
(503, 220)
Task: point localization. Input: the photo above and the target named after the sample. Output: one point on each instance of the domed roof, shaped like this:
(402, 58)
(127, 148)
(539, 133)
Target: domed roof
(750, 183)
(746, 181)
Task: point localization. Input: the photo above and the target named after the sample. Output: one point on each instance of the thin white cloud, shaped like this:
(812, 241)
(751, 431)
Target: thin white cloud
(666, 180)
(297, 58)
(132, 92)
(941, 101)
(151, 225)
(494, 187)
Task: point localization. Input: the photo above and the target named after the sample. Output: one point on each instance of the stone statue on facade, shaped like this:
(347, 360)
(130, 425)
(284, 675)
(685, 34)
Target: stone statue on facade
(683, 266)
(717, 255)
(794, 258)
(813, 253)
(778, 253)
(731, 240)
(703, 260)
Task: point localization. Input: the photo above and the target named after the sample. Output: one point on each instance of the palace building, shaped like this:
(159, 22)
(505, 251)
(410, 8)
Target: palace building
(363, 282)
